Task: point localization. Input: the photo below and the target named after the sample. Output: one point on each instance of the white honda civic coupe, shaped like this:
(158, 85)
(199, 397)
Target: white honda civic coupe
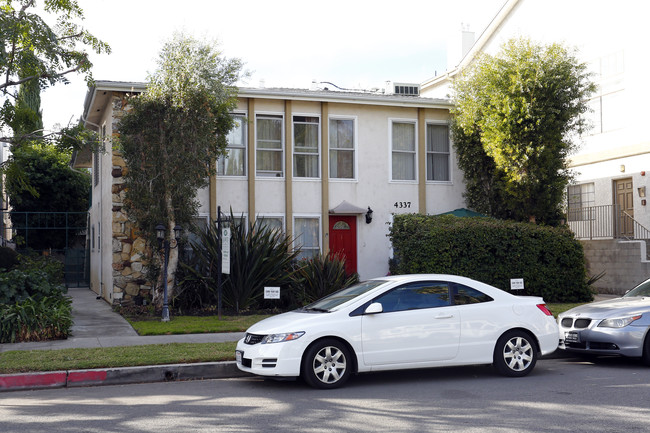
(401, 322)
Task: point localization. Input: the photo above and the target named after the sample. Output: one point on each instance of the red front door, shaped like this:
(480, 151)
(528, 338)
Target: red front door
(343, 239)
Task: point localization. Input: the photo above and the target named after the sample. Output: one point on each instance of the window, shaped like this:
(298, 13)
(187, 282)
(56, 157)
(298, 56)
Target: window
(415, 296)
(305, 146)
(341, 148)
(273, 223)
(307, 235)
(438, 152)
(92, 237)
(580, 200)
(234, 162)
(466, 295)
(269, 150)
(403, 151)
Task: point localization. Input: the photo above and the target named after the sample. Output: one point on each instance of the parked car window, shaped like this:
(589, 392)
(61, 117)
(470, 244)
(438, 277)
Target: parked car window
(642, 289)
(467, 295)
(417, 295)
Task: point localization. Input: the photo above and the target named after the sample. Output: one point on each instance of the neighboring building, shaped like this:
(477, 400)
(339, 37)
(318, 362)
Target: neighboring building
(328, 167)
(607, 204)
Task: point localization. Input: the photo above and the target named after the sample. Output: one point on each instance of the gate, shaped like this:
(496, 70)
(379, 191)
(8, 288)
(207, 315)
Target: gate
(61, 235)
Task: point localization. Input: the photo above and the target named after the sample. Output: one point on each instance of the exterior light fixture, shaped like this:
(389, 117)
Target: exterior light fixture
(369, 216)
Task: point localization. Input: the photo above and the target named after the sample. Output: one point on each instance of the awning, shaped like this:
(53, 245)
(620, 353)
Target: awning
(347, 208)
(462, 212)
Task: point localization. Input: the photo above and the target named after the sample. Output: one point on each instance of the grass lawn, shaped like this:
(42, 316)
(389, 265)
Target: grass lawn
(107, 357)
(194, 324)
(561, 308)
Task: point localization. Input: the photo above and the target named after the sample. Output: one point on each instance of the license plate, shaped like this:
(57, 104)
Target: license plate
(238, 356)
(571, 337)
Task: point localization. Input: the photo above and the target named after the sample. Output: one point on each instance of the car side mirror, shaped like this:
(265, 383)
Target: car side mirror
(374, 308)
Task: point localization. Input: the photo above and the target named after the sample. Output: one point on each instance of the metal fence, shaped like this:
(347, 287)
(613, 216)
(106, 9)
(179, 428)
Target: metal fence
(605, 222)
(61, 235)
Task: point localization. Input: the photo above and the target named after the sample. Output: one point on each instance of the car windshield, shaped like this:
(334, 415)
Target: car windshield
(642, 289)
(342, 296)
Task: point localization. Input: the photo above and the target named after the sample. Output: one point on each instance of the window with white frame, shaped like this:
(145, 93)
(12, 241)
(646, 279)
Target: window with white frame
(234, 162)
(580, 201)
(306, 133)
(403, 150)
(437, 152)
(272, 222)
(269, 146)
(306, 232)
(341, 148)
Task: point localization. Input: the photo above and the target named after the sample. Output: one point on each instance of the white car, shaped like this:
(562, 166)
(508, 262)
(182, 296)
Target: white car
(401, 322)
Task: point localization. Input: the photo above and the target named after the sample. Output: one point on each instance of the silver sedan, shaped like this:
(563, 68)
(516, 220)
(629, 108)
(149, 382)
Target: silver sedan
(613, 327)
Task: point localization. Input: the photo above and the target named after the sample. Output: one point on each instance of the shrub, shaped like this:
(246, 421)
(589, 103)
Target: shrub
(259, 256)
(8, 258)
(320, 276)
(47, 318)
(35, 262)
(17, 285)
(550, 260)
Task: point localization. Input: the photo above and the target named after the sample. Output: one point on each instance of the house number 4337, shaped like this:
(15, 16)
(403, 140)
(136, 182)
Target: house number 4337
(402, 204)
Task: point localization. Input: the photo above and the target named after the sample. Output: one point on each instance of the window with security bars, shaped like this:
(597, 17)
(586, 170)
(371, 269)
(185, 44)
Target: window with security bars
(580, 201)
(306, 132)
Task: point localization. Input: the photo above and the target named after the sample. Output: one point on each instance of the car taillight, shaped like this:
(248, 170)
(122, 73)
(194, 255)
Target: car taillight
(544, 309)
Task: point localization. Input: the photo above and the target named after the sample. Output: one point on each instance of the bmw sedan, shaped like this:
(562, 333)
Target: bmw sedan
(613, 327)
(401, 322)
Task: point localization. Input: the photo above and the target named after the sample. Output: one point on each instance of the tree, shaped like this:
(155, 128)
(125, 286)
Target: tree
(54, 187)
(515, 119)
(174, 132)
(34, 52)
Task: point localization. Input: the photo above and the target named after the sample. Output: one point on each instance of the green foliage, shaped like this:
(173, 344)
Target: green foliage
(514, 118)
(36, 319)
(320, 276)
(39, 179)
(17, 285)
(175, 131)
(32, 50)
(35, 262)
(8, 258)
(550, 260)
(259, 256)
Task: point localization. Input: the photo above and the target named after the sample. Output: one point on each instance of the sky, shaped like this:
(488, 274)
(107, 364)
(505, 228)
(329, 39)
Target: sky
(356, 44)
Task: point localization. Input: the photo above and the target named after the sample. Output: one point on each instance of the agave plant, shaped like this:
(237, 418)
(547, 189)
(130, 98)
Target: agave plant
(322, 275)
(259, 255)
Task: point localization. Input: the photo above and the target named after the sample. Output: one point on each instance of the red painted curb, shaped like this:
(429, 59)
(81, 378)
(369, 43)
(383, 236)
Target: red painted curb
(90, 377)
(32, 380)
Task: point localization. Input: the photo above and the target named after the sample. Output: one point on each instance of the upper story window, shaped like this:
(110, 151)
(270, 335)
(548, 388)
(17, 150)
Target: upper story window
(269, 146)
(306, 146)
(403, 150)
(234, 162)
(438, 152)
(341, 148)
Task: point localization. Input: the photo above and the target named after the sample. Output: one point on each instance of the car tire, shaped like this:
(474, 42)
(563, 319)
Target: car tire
(327, 364)
(515, 354)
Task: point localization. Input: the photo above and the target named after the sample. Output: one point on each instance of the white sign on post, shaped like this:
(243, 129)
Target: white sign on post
(271, 293)
(516, 284)
(225, 250)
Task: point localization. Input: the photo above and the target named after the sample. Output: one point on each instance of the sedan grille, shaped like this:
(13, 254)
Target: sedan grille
(253, 338)
(568, 322)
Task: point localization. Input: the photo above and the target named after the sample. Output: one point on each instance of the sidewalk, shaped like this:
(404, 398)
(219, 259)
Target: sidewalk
(97, 325)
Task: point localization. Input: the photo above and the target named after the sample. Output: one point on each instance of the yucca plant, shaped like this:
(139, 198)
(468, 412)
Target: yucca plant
(259, 255)
(320, 276)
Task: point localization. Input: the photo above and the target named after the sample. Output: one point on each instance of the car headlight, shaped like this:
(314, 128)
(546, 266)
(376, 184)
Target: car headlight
(279, 338)
(619, 322)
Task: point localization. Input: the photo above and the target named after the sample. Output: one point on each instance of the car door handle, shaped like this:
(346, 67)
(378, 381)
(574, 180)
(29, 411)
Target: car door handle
(444, 316)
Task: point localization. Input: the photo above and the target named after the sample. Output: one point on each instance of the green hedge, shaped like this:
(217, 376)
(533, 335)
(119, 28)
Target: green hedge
(550, 260)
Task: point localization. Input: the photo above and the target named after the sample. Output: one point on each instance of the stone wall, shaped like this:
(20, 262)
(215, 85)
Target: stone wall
(129, 249)
(624, 262)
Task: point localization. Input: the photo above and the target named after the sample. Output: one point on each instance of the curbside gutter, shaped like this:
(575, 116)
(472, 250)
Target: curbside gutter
(119, 376)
